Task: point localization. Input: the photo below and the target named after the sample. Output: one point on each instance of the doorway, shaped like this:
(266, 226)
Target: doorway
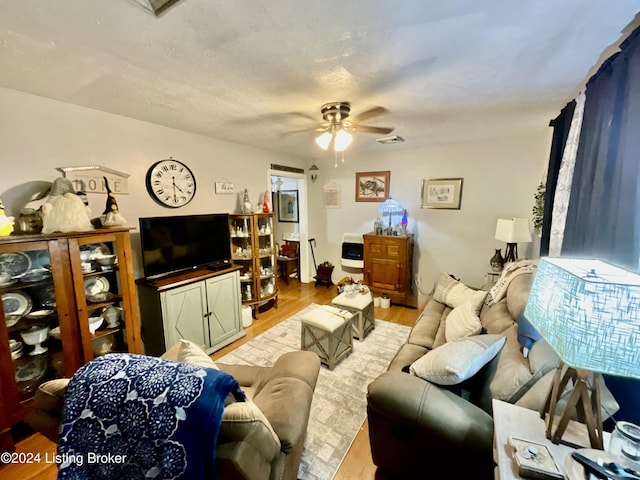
(286, 226)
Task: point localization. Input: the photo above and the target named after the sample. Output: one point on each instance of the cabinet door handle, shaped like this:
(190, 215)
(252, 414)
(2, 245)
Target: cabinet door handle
(207, 315)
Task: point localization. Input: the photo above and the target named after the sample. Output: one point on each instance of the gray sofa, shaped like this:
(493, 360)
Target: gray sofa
(260, 439)
(422, 430)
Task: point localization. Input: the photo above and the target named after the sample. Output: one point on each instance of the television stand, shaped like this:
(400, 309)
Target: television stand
(202, 306)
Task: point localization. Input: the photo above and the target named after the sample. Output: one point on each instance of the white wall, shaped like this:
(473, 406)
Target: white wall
(500, 179)
(37, 135)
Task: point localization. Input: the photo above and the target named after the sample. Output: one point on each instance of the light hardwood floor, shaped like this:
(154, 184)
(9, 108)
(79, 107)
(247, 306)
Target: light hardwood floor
(291, 299)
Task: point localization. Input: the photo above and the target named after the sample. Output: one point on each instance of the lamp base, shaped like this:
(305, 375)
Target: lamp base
(511, 253)
(584, 401)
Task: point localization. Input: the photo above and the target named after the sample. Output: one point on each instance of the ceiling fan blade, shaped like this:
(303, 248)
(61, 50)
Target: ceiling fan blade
(372, 112)
(306, 130)
(370, 129)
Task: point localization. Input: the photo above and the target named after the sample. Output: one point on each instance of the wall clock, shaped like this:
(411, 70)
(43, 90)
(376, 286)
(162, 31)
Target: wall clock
(171, 183)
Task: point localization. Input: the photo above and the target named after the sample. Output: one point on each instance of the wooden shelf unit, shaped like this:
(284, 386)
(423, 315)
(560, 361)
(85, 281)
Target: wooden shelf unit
(254, 249)
(57, 258)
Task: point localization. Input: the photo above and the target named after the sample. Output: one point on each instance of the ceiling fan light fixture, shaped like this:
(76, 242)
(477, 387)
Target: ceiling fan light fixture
(342, 141)
(324, 140)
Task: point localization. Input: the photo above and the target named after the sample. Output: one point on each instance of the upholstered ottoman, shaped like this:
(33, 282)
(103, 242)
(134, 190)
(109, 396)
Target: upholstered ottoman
(326, 331)
(361, 304)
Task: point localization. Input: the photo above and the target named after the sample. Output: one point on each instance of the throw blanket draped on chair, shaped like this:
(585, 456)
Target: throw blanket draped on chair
(139, 417)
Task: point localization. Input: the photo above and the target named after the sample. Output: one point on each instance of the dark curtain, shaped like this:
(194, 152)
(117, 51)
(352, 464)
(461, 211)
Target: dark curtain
(561, 125)
(603, 218)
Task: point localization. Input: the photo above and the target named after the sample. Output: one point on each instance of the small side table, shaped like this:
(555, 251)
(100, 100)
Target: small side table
(492, 278)
(511, 420)
(361, 304)
(326, 330)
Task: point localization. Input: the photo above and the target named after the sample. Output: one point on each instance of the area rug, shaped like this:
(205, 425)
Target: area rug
(339, 403)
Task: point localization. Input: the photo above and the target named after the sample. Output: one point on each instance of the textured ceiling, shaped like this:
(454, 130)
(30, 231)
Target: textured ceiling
(256, 72)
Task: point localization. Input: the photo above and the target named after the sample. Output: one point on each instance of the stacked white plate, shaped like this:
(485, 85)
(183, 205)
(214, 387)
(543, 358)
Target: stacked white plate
(16, 348)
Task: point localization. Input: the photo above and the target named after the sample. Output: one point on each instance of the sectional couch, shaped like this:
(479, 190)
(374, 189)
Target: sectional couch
(442, 427)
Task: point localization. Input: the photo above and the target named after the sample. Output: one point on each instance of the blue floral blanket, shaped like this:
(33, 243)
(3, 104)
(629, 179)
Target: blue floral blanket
(130, 416)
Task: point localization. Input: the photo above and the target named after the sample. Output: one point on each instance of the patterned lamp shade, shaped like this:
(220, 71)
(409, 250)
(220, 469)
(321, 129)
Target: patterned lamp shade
(390, 206)
(589, 313)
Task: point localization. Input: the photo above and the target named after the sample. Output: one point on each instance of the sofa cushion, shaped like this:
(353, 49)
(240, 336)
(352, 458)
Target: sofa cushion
(454, 293)
(462, 322)
(407, 354)
(535, 397)
(425, 330)
(496, 319)
(518, 293)
(512, 370)
(455, 362)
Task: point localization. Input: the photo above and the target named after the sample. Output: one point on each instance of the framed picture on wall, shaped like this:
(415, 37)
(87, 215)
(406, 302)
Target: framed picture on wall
(372, 186)
(288, 206)
(443, 193)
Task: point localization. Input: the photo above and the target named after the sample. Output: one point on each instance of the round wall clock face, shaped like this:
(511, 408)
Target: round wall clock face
(171, 183)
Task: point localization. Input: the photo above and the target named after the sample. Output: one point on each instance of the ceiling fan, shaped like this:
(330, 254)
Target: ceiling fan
(337, 125)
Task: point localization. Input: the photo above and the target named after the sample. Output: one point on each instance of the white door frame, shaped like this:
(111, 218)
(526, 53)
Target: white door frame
(305, 275)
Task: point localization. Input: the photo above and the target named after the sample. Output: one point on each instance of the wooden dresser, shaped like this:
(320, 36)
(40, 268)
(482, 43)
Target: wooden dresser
(388, 267)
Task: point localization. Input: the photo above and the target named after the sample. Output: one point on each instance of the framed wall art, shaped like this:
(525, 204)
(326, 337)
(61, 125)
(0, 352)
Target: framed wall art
(372, 186)
(288, 206)
(444, 193)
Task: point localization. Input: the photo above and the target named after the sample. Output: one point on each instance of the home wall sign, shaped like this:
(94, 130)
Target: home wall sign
(224, 187)
(89, 179)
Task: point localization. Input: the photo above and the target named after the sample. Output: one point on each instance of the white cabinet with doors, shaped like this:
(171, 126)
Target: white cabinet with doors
(202, 306)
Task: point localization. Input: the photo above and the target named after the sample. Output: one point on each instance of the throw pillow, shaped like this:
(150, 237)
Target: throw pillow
(189, 352)
(454, 362)
(454, 293)
(527, 335)
(462, 322)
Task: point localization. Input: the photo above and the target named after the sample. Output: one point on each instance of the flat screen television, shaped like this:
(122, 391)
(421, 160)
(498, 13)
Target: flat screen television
(179, 243)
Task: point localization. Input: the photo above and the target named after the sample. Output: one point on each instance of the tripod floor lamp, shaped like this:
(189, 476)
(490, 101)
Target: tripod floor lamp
(588, 311)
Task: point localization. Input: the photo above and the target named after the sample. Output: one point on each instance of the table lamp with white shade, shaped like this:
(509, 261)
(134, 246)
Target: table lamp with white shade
(512, 231)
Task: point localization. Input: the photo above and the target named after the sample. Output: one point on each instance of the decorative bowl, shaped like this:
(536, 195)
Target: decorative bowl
(55, 333)
(94, 323)
(112, 316)
(35, 335)
(106, 260)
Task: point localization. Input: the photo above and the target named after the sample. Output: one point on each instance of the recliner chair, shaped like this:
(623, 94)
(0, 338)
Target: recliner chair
(259, 439)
